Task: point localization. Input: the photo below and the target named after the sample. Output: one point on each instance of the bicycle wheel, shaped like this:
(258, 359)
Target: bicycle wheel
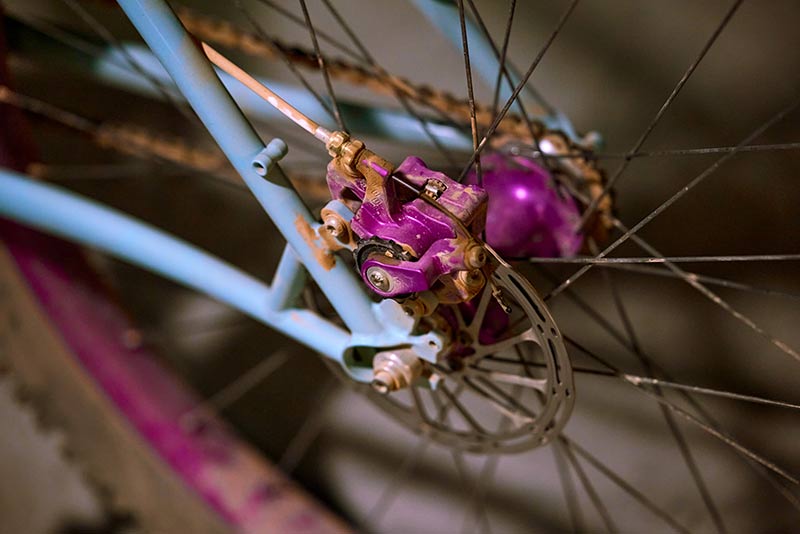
(139, 433)
(664, 460)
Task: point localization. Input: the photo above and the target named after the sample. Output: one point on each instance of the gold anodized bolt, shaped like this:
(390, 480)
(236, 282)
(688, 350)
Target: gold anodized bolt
(334, 225)
(475, 256)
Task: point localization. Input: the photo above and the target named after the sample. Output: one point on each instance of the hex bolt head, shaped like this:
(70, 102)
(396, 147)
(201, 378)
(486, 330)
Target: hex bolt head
(379, 279)
(475, 257)
(334, 225)
(395, 369)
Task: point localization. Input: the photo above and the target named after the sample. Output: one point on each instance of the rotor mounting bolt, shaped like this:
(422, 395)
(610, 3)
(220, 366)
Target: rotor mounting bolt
(379, 279)
(475, 257)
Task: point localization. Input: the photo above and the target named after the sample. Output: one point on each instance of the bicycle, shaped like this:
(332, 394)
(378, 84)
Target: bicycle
(412, 348)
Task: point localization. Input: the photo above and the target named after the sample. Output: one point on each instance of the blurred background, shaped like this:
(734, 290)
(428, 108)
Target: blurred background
(609, 70)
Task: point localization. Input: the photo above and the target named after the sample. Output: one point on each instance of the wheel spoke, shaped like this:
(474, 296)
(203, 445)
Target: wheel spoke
(518, 89)
(644, 380)
(384, 502)
(669, 419)
(392, 488)
(479, 490)
(486, 476)
(678, 195)
(106, 35)
(510, 399)
(670, 259)
(462, 410)
(716, 299)
(501, 71)
(710, 429)
(463, 474)
(308, 432)
(281, 53)
(639, 380)
(627, 487)
(473, 121)
(420, 406)
(590, 209)
(504, 73)
(588, 487)
(518, 149)
(323, 67)
(707, 280)
(568, 488)
(401, 98)
(761, 470)
(235, 390)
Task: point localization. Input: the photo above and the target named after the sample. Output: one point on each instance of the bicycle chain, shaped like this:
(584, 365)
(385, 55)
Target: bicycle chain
(511, 128)
(228, 35)
(137, 141)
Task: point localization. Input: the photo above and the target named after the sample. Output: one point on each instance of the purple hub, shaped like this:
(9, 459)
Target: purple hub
(529, 215)
(428, 244)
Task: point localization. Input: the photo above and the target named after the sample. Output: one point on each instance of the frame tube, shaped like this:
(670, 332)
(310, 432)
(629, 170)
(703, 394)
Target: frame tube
(195, 77)
(60, 212)
(110, 68)
(287, 282)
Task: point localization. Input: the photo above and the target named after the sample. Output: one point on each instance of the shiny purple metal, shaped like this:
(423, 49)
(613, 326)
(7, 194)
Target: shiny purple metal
(429, 236)
(529, 215)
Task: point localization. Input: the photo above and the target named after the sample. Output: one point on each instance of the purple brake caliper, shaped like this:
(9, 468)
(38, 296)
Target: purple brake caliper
(406, 243)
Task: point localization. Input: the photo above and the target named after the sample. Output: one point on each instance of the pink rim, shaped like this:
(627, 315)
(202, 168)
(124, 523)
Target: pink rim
(230, 477)
(209, 458)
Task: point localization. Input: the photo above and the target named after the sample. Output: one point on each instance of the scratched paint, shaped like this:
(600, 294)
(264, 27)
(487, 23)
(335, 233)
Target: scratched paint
(322, 253)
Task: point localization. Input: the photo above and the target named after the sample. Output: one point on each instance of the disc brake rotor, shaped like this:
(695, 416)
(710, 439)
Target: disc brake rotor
(505, 383)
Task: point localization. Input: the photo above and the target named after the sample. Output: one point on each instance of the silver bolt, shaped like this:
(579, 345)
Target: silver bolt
(395, 369)
(379, 278)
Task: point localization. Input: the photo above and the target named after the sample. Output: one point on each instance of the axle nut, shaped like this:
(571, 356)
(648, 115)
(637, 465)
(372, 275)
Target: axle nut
(395, 369)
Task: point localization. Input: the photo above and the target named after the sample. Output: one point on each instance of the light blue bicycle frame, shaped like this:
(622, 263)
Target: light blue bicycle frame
(60, 212)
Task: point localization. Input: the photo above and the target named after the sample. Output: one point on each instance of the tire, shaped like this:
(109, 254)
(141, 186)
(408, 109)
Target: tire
(72, 350)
